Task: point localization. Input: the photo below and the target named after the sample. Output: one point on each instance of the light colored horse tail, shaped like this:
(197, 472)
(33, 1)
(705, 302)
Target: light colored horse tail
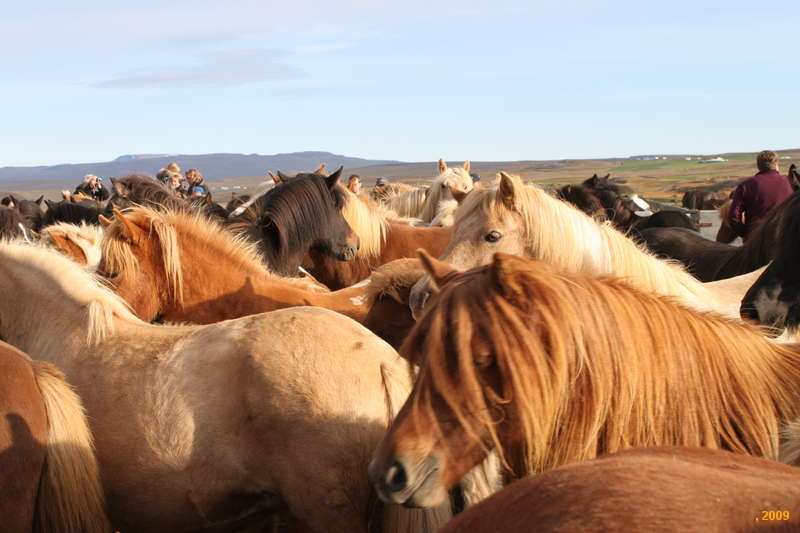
(70, 497)
(396, 518)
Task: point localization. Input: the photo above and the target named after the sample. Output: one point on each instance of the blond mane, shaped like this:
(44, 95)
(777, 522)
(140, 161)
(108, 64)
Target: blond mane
(368, 221)
(408, 203)
(588, 366)
(169, 228)
(88, 237)
(49, 276)
(567, 238)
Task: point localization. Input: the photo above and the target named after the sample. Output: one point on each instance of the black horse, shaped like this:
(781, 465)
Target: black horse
(709, 260)
(87, 212)
(30, 210)
(12, 225)
(141, 189)
(774, 299)
(298, 215)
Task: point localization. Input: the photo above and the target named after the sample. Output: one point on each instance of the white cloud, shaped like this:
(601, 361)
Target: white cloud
(214, 69)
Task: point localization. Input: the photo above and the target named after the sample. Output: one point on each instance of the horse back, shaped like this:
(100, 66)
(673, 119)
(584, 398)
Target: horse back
(23, 434)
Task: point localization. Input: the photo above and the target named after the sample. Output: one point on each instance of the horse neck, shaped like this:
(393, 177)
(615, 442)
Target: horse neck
(578, 244)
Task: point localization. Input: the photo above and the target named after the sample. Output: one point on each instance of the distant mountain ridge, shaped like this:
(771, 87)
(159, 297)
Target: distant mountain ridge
(213, 167)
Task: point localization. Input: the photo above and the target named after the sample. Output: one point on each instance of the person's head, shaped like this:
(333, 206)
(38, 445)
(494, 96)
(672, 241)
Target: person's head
(767, 160)
(381, 182)
(90, 179)
(174, 181)
(354, 184)
(173, 167)
(193, 176)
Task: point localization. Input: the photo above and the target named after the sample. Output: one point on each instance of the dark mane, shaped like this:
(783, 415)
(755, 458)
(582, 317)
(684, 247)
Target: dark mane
(287, 219)
(141, 189)
(71, 213)
(582, 198)
(10, 219)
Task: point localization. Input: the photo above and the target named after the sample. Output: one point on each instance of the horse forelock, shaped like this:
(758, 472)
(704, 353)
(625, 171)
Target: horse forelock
(577, 383)
(366, 221)
(299, 210)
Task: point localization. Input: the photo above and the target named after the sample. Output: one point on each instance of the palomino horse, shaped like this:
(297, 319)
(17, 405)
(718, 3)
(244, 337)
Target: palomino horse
(774, 299)
(524, 220)
(48, 470)
(381, 238)
(551, 368)
(154, 261)
(434, 206)
(81, 243)
(645, 490)
(213, 427)
(709, 260)
(296, 216)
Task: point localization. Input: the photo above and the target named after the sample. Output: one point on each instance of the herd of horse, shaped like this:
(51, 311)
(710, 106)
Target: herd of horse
(448, 357)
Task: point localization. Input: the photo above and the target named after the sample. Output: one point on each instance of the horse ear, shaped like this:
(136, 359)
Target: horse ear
(275, 177)
(503, 266)
(439, 271)
(320, 170)
(38, 201)
(50, 204)
(333, 179)
(467, 165)
(130, 231)
(442, 166)
(103, 221)
(458, 194)
(283, 177)
(506, 192)
(118, 187)
(607, 176)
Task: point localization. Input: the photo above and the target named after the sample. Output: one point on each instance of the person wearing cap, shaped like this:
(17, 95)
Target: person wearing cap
(92, 186)
(381, 182)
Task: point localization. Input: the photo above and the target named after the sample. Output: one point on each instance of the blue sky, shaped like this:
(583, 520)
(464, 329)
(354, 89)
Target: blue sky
(503, 80)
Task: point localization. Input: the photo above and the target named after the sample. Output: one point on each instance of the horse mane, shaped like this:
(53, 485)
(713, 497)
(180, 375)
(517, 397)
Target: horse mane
(366, 220)
(54, 276)
(408, 203)
(452, 177)
(290, 212)
(88, 237)
(588, 366)
(10, 222)
(144, 190)
(560, 234)
(69, 212)
(169, 228)
(581, 197)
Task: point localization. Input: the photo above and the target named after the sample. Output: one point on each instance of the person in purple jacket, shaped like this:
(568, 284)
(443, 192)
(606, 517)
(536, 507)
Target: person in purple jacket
(755, 197)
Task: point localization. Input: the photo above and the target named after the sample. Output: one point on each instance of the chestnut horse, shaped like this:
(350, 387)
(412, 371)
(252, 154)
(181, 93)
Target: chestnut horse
(296, 216)
(691, 490)
(48, 470)
(515, 218)
(176, 266)
(215, 427)
(551, 368)
(382, 239)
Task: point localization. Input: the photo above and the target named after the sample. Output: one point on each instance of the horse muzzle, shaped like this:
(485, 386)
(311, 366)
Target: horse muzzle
(411, 485)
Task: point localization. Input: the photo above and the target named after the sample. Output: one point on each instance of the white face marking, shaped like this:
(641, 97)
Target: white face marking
(644, 206)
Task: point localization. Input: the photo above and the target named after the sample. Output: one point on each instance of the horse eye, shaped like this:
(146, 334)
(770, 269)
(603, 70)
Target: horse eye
(493, 236)
(483, 360)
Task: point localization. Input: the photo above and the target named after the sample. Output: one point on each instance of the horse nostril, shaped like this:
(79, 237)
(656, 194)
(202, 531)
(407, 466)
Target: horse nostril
(395, 479)
(748, 312)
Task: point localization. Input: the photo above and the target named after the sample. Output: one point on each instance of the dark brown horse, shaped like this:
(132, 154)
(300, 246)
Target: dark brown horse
(12, 225)
(774, 299)
(83, 212)
(691, 490)
(31, 210)
(550, 368)
(141, 189)
(48, 471)
(710, 260)
(298, 215)
(703, 199)
(383, 239)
